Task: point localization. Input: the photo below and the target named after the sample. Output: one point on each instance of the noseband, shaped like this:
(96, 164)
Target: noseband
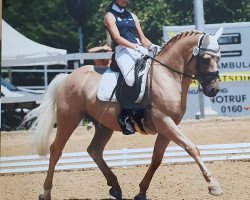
(203, 77)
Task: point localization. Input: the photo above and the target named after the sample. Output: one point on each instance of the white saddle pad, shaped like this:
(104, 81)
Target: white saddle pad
(109, 81)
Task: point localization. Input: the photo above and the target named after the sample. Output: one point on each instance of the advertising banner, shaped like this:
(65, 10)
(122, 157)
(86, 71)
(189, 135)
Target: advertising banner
(234, 68)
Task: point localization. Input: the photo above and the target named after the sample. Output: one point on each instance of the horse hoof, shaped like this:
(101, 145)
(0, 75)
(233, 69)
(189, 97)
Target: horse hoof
(215, 190)
(115, 193)
(140, 197)
(42, 197)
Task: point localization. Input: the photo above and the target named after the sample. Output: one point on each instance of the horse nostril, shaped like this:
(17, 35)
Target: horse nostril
(214, 91)
(211, 92)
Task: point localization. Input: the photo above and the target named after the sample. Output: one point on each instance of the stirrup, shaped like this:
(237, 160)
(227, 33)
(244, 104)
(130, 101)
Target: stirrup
(126, 125)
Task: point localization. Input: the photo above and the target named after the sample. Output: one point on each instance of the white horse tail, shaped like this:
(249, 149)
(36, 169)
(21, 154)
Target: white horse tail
(45, 116)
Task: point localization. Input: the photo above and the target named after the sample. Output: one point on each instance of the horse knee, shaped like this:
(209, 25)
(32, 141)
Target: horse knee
(192, 150)
(90, 151)
(156, 162)
(93, 152)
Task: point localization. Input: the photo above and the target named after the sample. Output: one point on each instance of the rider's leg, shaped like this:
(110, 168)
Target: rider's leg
(126, 62)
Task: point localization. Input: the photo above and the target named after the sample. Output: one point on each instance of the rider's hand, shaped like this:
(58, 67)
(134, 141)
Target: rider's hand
(142, 50)
(153, 47)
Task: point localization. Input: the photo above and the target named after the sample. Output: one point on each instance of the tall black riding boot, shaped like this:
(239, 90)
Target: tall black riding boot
(125, 121)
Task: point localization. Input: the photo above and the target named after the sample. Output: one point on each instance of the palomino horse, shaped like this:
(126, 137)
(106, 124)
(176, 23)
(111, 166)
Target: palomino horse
(70, 97)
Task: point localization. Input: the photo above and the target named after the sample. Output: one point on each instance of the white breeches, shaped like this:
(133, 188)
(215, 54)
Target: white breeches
(126, 58)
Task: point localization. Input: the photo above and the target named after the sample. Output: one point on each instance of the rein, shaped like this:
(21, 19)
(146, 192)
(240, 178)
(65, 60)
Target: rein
(196, 53)
(178, 72)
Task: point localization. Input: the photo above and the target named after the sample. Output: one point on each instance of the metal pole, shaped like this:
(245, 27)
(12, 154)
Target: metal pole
(199, 25)
(1, 19)
(199, 15)
(10, 74)
(80, 42)
(45, 77)
(1, 115)
(66, 69)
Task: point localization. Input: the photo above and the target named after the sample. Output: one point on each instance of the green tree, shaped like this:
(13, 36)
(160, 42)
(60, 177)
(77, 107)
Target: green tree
(156, 13)
(49, 22)
(220, 11)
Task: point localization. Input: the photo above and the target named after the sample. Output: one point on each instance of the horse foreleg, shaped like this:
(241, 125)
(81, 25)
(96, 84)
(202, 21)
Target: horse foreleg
(95, 150)
(173, 132)
(66, 124)
(160, 146)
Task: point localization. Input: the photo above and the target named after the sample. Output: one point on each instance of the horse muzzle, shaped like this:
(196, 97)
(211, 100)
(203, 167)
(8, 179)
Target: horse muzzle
(211, 89)
(209, 82)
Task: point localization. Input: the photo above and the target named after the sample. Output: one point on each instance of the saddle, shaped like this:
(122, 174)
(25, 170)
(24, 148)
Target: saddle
(122, 88)
(113, 85)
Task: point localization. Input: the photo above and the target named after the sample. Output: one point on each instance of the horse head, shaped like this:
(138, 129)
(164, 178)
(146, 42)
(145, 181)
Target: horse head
(207, 55)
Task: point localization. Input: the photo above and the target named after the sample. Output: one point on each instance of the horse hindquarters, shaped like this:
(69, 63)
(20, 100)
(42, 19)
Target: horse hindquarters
(69, 110)
(66, 124)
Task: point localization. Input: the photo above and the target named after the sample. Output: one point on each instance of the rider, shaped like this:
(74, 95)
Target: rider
(130, 45)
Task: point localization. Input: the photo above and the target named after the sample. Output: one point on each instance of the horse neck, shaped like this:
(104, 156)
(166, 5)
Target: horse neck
(175, 54)
(169, 86)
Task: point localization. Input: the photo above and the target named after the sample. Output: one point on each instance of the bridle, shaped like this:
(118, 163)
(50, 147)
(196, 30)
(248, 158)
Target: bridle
(202, 77)
(206, 76)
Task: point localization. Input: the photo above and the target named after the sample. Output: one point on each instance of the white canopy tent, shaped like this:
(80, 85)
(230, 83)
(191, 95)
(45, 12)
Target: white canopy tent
(18, 50)
(15, 47)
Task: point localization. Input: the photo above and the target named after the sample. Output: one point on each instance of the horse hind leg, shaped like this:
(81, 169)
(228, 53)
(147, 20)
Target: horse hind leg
(173, 132)
(95, 150)
(66, 124)
(160, 146)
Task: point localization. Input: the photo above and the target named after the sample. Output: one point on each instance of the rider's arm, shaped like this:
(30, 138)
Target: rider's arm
(145, 41)
(109, 21)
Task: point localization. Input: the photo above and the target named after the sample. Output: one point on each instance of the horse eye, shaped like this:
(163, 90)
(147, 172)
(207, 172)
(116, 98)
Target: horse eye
(216, 58)
(206, 59)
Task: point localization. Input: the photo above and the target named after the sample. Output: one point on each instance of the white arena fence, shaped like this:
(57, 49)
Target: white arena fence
(58, 59)
(30, 62)
(124, 157)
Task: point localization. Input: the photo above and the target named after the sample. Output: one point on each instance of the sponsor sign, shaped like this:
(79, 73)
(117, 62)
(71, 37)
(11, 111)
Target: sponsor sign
(231, 100)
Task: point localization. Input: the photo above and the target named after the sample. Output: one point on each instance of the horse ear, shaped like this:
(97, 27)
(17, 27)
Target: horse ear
(218, 33)
(206, 39)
